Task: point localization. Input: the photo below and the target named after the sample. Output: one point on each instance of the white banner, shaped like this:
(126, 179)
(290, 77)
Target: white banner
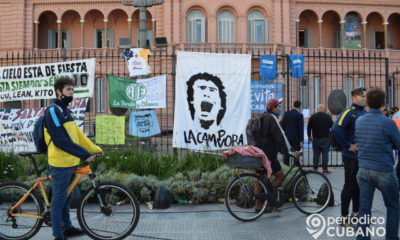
(36, 81)
(16, 125)
(212, 100)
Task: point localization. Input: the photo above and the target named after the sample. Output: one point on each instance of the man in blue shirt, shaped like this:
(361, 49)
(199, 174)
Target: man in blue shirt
(376, 135)
(343, 129)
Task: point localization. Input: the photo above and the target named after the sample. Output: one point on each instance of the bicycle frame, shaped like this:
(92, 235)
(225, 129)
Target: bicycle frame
(79, 173)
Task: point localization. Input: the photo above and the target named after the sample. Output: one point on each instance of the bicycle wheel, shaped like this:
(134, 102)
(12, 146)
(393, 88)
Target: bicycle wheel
(19, 227)
(311, 192)
(119, 216)
(239, 197)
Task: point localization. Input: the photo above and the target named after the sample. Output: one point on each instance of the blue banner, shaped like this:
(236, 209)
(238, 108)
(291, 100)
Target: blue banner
(143, 123)
(268, 67)
(261, 92)
(296, 65)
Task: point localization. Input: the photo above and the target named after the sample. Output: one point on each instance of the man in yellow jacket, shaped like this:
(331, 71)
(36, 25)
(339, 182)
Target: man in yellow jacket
(67, 146)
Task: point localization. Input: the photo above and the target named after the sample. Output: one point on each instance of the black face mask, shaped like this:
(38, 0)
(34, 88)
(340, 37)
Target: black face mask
(66, 99)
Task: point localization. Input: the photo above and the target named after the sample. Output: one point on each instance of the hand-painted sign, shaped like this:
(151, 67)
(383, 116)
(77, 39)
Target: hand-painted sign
(143, 123)
(29, 82)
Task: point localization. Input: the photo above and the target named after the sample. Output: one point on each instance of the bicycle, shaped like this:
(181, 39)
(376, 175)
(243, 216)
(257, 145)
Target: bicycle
(108, 210)
(310, 190)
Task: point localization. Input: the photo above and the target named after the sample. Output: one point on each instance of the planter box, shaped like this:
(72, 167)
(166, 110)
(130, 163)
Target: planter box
(238, 161)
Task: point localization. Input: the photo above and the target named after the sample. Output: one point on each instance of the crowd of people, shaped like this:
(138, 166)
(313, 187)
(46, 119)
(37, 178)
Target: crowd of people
(367, 132)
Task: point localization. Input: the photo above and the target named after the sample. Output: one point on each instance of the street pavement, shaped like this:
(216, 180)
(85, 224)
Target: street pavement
(212, 221)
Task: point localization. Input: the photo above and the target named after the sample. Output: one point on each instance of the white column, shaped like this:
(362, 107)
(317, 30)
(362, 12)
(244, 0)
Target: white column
(297, 32)
(320, 33)
(82, 33)
(385, 24)
(364, 34)
(36, 34)
(105, 33)
(59, 34)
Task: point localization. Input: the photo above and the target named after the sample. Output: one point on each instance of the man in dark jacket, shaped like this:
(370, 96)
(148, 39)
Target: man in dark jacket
(319, 124)
(343, 130)
(293, 125)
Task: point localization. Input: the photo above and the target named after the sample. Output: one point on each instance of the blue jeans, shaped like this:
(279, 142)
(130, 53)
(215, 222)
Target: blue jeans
(320, 146)
(60, 180)
(387, 183)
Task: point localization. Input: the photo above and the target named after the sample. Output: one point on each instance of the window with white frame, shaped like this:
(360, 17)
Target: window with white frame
(196, 27)
(226, 27)
(347, 88)
(304, 92)
(257, 27)
(316, 92)
(100, 95)
(53, 36)
(99, 41)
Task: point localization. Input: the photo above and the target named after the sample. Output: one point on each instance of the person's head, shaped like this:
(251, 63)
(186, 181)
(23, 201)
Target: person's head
(358, 96)
(206, 99)
(64, 88)
(297, 104)
(321, 108)
(376, 98)
(273, 106)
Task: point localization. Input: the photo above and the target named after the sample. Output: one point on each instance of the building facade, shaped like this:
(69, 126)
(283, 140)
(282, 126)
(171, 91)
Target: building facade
(344, 34)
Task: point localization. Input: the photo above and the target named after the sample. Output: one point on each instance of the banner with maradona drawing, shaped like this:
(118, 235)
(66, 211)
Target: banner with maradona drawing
(213, 104)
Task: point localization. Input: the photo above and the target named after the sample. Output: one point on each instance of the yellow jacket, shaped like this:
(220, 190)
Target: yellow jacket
(68, 144)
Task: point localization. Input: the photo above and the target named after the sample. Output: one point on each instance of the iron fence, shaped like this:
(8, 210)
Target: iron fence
(325, 70)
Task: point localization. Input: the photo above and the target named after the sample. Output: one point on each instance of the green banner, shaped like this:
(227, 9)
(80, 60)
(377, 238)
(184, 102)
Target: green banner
(136, 93)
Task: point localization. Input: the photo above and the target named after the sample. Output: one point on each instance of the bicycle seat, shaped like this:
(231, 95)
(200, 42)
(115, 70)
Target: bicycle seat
(28, 154)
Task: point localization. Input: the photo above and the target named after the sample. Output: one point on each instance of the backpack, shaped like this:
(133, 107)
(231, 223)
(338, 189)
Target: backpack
(332, 139)
(38, 136)
(253, 130)
(38, 133)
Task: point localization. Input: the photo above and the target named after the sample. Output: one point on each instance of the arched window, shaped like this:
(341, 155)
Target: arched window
(257, 27)
(226, 27)
(196, 27)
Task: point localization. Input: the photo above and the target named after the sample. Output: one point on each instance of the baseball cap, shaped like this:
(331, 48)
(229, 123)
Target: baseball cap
(272, 102)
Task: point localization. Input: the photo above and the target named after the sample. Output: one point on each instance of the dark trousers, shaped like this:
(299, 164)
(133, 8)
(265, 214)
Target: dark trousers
(351, 191)
(295, 146)
(320, 146)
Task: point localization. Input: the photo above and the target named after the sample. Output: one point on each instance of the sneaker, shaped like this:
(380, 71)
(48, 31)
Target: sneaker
(73, 232)
(326, 172)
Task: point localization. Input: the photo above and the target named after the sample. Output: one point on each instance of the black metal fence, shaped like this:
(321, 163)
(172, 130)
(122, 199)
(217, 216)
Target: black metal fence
(325, 70)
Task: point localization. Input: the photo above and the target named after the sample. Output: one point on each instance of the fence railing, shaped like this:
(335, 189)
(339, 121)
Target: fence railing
(325, 70)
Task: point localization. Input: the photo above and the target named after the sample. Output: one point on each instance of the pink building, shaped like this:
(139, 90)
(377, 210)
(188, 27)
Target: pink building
(326, 27)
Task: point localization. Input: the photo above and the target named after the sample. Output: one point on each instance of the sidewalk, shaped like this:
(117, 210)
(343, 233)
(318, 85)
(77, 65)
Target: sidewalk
(212, 221)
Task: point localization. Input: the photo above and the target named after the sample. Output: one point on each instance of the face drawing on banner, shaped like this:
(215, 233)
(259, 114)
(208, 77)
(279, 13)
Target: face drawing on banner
(206, 99)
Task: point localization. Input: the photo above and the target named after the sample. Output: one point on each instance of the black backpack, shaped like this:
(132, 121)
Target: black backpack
(38, 133)
(334, 143)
